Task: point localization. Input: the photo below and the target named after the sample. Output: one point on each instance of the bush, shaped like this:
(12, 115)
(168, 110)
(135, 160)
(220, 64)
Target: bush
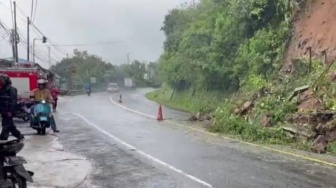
(228, 123)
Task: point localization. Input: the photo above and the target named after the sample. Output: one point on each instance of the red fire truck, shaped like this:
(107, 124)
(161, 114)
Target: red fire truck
(24, 77)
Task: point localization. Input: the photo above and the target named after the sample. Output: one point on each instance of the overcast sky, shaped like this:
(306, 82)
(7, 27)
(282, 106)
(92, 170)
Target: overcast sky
(134, 24)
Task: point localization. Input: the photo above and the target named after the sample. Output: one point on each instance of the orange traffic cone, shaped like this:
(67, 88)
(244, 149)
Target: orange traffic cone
(160, 116)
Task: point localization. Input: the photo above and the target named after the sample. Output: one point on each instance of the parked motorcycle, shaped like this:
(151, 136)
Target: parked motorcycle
(20, 112)
(12, 172)
(88, 92)
(40, 118)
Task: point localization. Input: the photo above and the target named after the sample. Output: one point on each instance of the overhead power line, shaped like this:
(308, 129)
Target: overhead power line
(38, 32)
(23, 42)
(3, 25)
(51, 43)
(90, 44)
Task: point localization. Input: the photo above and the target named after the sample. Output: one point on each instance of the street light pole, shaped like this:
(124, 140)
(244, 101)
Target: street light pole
(43, 39)
(34, 48)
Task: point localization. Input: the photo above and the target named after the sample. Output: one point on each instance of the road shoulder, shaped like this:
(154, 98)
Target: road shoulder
(52, 165)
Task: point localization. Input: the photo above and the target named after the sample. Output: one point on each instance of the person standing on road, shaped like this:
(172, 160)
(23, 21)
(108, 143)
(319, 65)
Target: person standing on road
(8, 102)
(54, 93)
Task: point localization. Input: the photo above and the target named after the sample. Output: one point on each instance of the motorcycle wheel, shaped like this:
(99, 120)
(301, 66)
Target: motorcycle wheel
(25, 118)
(16, 179)
(43, 131)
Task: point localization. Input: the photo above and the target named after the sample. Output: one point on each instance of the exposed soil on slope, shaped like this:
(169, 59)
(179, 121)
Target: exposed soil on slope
(314, 27)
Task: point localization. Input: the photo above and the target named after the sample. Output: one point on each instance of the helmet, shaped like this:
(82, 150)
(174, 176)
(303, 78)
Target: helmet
(41, 81)
(5, 79)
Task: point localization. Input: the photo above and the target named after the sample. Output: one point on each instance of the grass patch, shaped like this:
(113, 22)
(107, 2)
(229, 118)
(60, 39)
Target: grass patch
(332, 148)
(188, 100)
(163, 98)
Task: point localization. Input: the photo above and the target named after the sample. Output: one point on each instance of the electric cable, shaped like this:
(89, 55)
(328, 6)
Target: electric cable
(92, 44)
(38, 32)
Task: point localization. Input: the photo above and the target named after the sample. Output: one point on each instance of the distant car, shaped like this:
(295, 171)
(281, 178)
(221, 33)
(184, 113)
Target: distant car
(156, 85)
(113, 88)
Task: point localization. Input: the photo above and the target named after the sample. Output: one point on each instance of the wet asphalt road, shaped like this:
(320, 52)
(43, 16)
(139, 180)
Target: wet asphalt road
(136, 100)
(130, 150)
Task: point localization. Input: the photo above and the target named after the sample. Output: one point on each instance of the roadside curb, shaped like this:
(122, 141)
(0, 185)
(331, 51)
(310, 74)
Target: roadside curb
(312, 159)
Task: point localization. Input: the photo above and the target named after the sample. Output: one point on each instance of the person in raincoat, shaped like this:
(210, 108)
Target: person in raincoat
(8, 102)
(42, 93)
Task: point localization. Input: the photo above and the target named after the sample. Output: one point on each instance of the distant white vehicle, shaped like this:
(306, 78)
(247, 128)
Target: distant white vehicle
(129, 83)
(113, 88)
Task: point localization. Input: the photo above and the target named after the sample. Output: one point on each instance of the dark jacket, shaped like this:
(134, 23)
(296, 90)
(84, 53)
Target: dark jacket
(8, 99)
(88, 86)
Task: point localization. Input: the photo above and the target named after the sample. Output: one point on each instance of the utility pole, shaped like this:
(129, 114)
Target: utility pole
(13, 43)
(28, 39)
(16, 41)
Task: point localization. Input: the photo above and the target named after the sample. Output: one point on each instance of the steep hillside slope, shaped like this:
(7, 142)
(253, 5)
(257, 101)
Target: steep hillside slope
(314, 27)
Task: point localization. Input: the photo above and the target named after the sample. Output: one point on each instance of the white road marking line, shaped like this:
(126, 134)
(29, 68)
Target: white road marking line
(143, 153)
(128, 109)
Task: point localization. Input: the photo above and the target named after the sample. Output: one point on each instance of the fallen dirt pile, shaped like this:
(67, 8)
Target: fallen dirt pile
(318, 126)
(314, 28)
(311, 122)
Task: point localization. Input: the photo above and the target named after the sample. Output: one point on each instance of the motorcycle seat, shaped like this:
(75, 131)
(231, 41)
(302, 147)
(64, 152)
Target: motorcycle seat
(7, 142)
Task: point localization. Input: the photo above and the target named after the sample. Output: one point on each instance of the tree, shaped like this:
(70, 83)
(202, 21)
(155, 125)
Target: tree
(219, 44)
(82, 66)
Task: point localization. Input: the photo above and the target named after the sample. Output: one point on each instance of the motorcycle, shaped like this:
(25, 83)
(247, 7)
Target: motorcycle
(20, 112)
(88, 92)
(12, 172)
(41, 116)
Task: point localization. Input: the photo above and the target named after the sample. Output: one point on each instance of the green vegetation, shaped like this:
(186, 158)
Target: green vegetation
(184, 100)
(225, 45)
(82, 66)
(220, 54)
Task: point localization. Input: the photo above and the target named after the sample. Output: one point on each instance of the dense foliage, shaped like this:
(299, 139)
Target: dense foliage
(220, 45)
(82, 66)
